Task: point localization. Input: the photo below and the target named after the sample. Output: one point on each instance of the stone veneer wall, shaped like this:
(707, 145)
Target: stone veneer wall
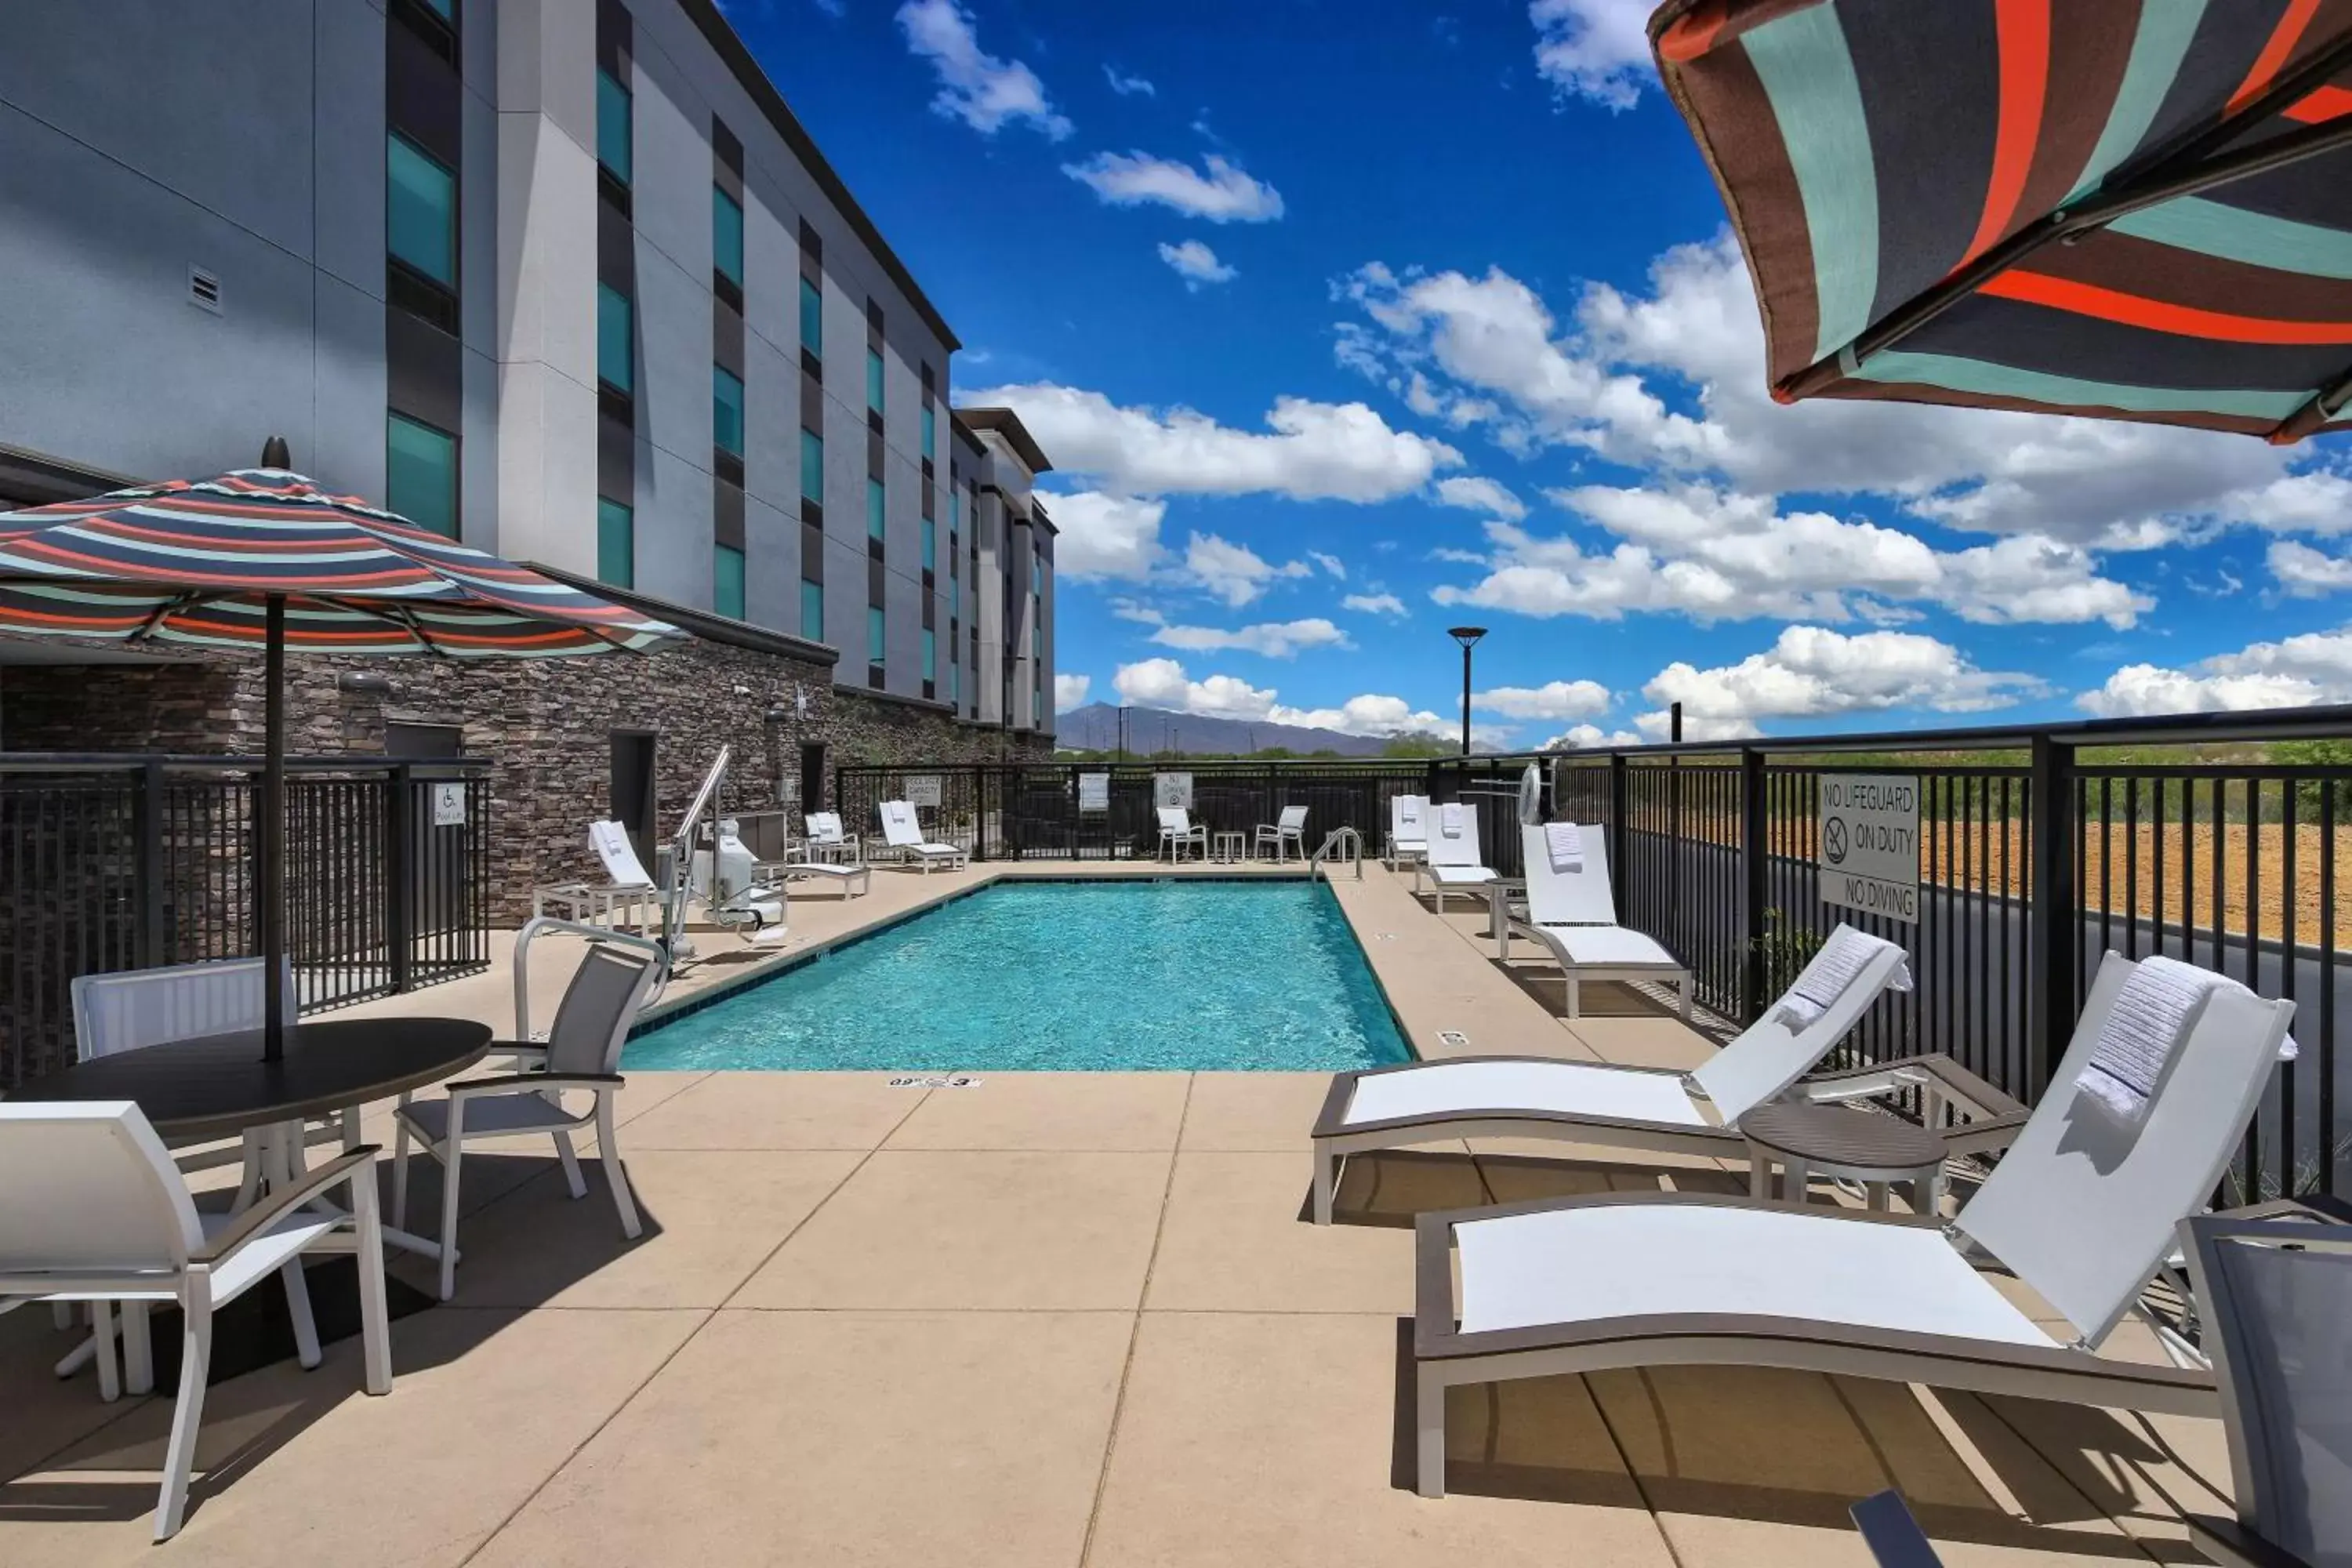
(544, 725)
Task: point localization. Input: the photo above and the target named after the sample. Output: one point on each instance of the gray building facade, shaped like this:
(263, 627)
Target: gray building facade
(562, 277)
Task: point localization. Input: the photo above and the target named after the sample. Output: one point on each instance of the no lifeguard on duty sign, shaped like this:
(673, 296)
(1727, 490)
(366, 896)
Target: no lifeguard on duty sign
(1867, 847)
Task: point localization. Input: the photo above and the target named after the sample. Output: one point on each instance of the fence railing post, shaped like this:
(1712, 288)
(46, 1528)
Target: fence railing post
(2054, 969)
(979, 812)
(147, 807)
(400, 877)
(1755, 878)
(1618, 837)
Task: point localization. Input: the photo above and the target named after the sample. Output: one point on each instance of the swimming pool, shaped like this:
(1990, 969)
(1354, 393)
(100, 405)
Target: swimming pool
(1063, 976)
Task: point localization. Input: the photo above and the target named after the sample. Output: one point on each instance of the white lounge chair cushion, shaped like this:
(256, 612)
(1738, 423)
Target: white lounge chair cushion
(1611, 945)
(1585, 1265)
(1462, 876)
(821, 868)
(492, 1114)
(1571, 1088)
(933, 849)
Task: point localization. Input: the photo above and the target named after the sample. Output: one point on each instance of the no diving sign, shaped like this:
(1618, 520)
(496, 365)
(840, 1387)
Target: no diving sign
(1868, 846)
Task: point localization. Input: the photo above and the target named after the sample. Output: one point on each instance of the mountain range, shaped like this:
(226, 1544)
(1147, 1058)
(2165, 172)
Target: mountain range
(1095, 728)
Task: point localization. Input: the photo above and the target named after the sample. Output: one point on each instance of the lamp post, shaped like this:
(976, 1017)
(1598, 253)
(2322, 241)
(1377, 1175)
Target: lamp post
(1467, 637)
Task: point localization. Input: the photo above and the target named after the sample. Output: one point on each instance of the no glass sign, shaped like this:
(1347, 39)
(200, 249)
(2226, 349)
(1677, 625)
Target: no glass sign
(1868, 847)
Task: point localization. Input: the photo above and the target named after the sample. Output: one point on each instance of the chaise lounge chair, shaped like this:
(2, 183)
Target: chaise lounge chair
(1452, 861)
(2082, 1209)
(1650, 1108)
(1407, 830)
(620, 901)
(1573, 915)
(903, 833)
(827, 841)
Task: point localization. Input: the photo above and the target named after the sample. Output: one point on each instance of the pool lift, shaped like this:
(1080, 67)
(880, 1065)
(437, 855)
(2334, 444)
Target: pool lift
(710, 864)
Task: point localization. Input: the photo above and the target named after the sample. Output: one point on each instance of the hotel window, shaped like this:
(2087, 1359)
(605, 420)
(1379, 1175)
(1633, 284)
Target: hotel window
(726, 236)
(955, 530)
(434, 21)
(613, 112)
(420, 473)
(812, 320)
(931, 432)
(811, 610)
(615, 339)
(616, 543)
(420, 211)
(930, 545)
(874, 508)
(812, 467)
(725, 411)
(874, 633)
(726, 581)
(955, 684)
(874, 381)
(931, 655)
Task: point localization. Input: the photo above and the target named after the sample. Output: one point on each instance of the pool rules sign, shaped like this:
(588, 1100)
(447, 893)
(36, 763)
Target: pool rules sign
(1868, 844)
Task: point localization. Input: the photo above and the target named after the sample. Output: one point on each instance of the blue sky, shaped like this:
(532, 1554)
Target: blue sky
(1349, 320)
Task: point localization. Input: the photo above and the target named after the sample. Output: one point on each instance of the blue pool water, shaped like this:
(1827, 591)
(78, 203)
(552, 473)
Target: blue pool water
(1065, 976)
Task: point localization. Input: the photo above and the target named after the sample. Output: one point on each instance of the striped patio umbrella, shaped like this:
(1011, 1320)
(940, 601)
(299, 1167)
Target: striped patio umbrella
(2129, 209)
(264, 558)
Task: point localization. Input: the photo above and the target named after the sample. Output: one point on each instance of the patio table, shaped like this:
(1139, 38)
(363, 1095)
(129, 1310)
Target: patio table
(1803, 1137)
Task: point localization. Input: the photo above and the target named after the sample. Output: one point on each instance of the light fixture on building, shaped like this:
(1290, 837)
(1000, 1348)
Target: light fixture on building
(364, 683)
(777, 716)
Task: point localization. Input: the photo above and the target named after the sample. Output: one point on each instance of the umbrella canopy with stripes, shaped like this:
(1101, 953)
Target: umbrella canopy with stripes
(263, 558)
(2130, 209)
(197, 562)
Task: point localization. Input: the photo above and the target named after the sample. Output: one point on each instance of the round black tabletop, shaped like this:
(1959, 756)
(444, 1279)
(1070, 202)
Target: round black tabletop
(1839, 1135)
(215, 1085)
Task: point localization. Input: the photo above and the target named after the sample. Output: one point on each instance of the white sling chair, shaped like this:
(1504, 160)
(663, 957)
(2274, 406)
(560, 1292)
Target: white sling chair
(1179, 833)
(1655, 1109)
(827, 841)
(903, 831)
(1572, 914)
(582, 1052)
(98, 1212)
(1285, 834)
(2081, 1208)
(627, 886)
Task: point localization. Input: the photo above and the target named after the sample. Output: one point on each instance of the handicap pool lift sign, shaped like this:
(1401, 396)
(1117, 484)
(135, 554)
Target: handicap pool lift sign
(1868, 846)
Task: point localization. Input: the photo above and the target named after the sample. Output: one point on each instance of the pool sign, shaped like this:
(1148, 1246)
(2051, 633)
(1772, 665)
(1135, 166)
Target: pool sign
(923, 789)
(1094, 792)
(1172, 790)
(1868, 847)
(448, 805)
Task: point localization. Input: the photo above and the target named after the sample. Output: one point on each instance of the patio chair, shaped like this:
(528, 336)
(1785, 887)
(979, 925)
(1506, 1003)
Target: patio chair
(1452, 862)
(1652, 1109)
(626, 886)
(827, 842)
(1573, 915)
(582, 1052)
(1288, 830)
(2081, 1209)
(105, 1218)
(902, 831)
(2274, 1294)
(1177, 833)
(1407, 830)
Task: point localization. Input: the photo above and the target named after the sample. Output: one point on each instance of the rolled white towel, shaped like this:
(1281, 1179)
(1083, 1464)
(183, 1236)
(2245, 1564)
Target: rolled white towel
(1564, 842)
(2143, 1027)
(1832, 968)
(1449, 820)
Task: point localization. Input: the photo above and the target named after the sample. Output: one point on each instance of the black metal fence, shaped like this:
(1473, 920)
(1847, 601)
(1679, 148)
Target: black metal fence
(111, 862)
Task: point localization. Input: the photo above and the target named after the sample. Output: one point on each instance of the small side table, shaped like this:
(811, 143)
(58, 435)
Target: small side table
(1228, 848)
(1801, 1138)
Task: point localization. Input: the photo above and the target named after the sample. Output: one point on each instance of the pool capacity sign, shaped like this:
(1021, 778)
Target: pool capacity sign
(1868, 844)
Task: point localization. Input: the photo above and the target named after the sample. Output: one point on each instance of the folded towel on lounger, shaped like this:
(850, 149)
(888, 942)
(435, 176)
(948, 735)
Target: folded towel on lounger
(1449, 820)
(1564, 841)
(1832, 968)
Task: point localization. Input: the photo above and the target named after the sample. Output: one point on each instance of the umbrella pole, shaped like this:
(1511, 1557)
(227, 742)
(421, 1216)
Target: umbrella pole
(270, 864)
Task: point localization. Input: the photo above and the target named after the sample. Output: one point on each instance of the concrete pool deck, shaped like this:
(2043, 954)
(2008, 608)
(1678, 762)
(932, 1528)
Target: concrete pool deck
(1049, 1319)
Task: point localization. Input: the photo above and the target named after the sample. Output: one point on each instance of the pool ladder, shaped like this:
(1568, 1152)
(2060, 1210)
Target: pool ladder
(1340, 841)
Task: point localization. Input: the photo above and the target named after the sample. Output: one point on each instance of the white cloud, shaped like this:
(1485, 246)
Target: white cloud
(1366, 715)
(1475, 494)
(1224, 193)
(1374, 604)
(1329, 563)
(1163, 683)
(1274, 640)
(1316, 451)
(1553, 699)
(1598, 50)
(2294, 672)
(2308, 573)
(1584, 737)
(975, 87)
(1196, 264)
(1105, 535)
(1722, 555)
(1127, 86)
(1070, 691)
(1233, 572)
(1812, 672)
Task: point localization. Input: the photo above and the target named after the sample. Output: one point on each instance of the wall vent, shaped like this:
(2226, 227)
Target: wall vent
(204, 289)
